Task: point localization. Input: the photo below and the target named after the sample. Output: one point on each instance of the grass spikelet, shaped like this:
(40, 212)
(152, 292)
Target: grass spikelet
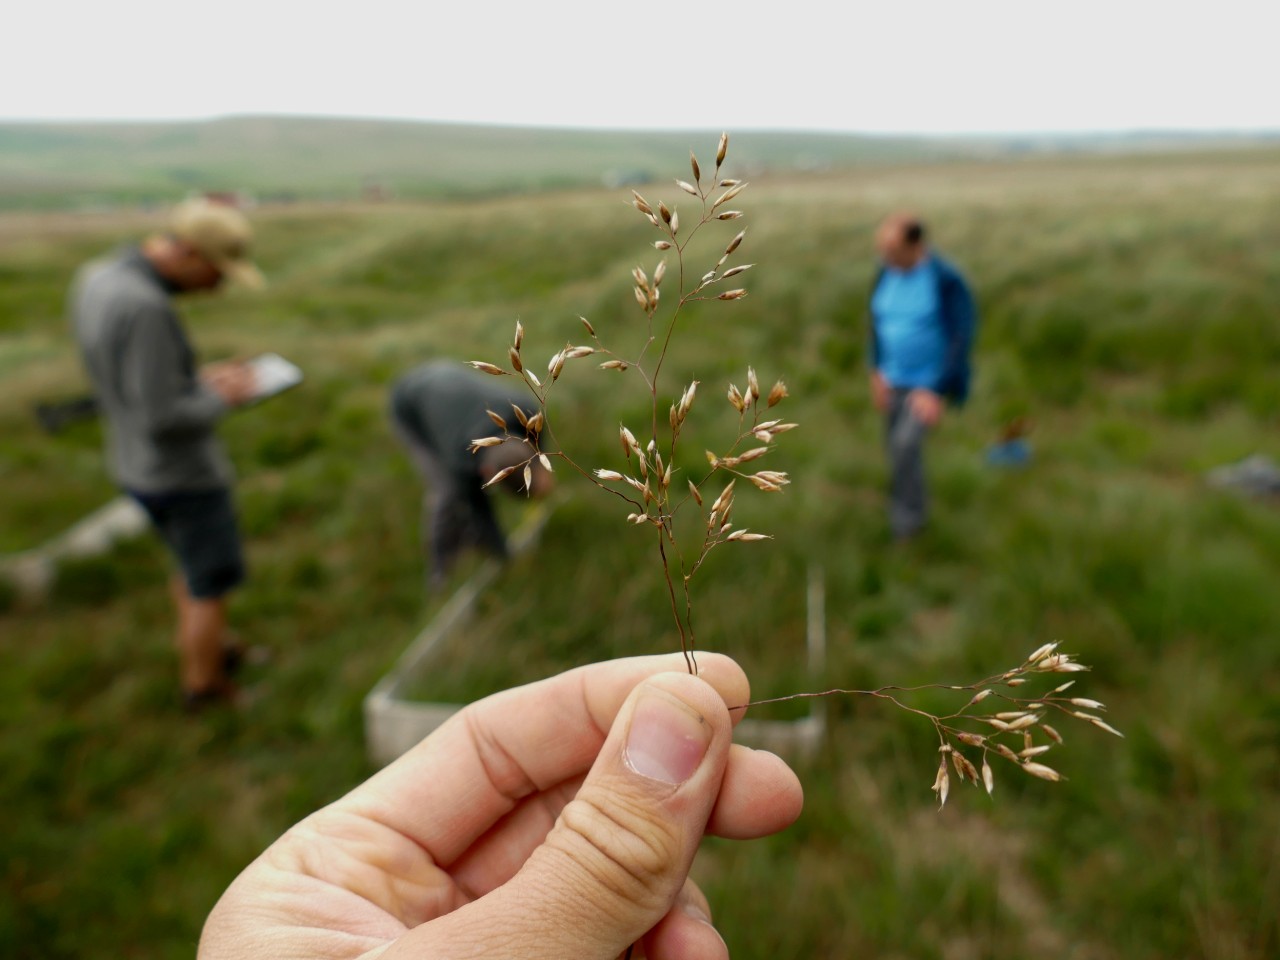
(1041, 771)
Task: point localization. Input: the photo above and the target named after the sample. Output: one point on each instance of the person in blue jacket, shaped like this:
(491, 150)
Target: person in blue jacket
(923, 320)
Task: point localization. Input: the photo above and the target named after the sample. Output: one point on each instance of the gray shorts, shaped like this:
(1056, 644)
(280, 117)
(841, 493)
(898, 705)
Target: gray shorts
(199, 528)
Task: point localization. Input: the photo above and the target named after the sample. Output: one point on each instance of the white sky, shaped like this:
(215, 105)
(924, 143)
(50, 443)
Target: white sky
(914, 66)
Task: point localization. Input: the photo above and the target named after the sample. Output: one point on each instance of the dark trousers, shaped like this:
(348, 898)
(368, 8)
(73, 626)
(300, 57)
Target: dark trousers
(904, 442)
(456, 512)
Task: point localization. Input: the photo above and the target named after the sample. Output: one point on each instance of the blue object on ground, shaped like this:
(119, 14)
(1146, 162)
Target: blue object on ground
(1009, 453)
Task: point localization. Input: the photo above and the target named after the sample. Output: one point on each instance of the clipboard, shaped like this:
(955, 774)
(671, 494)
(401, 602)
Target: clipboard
(273, 374)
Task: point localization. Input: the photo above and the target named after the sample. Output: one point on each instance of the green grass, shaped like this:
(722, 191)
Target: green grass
(1131, 309)
(289, 159)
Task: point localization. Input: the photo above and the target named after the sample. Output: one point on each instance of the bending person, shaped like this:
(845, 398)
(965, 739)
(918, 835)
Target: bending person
(437, 410)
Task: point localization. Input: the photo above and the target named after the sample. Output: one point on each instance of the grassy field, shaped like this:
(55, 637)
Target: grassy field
(86, 165)
(1131, 310)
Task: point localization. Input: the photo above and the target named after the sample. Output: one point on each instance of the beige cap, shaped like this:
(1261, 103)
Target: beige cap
(221, 234)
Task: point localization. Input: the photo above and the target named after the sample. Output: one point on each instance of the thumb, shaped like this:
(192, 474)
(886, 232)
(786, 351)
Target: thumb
(620, 851)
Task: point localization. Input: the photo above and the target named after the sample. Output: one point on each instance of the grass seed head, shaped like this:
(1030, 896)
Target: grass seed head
(489, 368)
(942, 783)
(1059, 663)
(735, 398)
(1041, 771)
(1005, 752)
(728, 195)
(1103, 725)
(501, 475)
(979, 697)
(1041, 652)
(686, 401)
(1086, 703)
(725, 498)
(628, 440)
(1021, 723)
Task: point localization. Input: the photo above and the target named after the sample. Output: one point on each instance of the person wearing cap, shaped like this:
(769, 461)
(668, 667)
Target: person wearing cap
(923, 320)
(161, 412)
(438, 410)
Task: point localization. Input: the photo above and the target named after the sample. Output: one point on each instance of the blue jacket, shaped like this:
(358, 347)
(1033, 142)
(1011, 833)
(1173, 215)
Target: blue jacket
(959, 322)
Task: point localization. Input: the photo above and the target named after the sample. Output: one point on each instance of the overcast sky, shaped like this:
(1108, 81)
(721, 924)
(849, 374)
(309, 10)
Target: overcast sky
(918, 66)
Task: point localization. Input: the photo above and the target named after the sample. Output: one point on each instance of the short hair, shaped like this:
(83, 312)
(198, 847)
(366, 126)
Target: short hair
(913, 232)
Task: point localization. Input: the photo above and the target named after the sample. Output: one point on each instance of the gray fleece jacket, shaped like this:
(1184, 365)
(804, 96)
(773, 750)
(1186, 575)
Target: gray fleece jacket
(160, 418)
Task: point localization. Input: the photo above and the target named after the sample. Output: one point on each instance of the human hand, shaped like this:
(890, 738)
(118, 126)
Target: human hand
(926, 406)
(232, 380)
(557, 820)
(879, 391)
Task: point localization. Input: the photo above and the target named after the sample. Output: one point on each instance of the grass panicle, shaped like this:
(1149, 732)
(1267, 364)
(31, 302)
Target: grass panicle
(654, 500)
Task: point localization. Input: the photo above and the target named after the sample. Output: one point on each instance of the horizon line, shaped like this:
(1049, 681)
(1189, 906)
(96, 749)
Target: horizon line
(1047, 132)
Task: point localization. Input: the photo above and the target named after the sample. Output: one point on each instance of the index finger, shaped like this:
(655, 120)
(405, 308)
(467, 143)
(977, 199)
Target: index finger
(473, 770)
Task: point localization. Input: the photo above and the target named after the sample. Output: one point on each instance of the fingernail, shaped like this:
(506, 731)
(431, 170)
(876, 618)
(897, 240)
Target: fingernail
(667, 740)
(691, 909)
(697, 913)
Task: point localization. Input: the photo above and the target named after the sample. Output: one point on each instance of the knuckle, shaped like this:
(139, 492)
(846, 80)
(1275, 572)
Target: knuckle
(620, 848)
